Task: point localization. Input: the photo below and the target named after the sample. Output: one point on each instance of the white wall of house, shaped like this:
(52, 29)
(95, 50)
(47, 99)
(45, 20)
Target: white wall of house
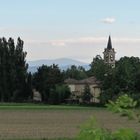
(72, 87)
(96, 93)
(36, 96)
(78, 89)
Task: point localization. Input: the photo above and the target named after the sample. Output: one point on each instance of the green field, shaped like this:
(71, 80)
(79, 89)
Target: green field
(36, 122)
(31, 106)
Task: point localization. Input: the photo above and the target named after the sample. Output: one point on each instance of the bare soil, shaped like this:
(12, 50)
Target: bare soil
(20, 124)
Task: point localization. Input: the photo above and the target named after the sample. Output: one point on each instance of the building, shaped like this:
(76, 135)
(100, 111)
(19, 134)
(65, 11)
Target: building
(36, 96)
(77, 88)
(109, 54)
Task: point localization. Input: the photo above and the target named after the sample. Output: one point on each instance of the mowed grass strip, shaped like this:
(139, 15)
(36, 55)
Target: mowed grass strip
(47, 139)
(31, 106)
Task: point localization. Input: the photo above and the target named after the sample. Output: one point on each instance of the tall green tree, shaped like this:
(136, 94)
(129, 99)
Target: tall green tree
(1, 70)
(21, 71)
(4, 79)
(98, 68)
(45, 80)
(124, 78)
(13, 71)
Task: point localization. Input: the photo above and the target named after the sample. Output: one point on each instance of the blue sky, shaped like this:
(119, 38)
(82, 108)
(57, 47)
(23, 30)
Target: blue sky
(76, 29)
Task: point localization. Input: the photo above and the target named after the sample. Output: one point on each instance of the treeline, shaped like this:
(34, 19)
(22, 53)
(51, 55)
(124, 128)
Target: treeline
(49, 81)
(16, 84)
(123, 79)
(14, 79)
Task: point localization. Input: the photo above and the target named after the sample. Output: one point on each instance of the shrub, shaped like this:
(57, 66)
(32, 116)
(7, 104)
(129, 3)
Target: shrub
(125, 134)
(92, 131)
(123, 105)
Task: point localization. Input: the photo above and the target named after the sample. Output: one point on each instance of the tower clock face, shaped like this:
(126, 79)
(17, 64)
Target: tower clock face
(111, 57)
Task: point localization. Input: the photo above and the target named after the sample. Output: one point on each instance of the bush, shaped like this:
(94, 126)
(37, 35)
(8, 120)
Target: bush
(125, 134)
(92, 131)
(123, 105)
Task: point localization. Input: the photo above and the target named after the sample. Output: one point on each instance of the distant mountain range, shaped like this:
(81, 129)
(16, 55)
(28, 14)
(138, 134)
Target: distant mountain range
(63, 63)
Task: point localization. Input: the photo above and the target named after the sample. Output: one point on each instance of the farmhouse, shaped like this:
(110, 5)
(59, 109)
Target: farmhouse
(77, 88)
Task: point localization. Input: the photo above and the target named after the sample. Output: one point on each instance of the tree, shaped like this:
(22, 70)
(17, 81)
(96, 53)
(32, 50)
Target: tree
(98, 68)
(13, 71)
(75, 72)
(45, 80)
(21, 72)
(123, 78)
(4, 77)
(86, 95)
(105, 74)
(59, 94)
(29, 87)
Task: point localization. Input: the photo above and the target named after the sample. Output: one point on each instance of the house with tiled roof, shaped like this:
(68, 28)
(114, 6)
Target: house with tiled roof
(77, 88)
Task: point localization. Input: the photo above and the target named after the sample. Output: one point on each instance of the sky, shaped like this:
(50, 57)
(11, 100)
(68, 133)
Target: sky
(76, 29)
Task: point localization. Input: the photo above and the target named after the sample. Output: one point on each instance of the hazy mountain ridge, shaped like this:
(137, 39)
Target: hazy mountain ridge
(63, 63)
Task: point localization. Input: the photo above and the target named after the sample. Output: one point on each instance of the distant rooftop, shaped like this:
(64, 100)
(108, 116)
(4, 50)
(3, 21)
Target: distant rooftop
(90, 80)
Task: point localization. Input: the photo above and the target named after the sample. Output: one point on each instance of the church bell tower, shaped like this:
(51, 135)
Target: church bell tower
(109, 54)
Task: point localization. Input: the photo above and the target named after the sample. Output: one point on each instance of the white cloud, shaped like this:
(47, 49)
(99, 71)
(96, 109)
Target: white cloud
(58, 43)
(108, 20)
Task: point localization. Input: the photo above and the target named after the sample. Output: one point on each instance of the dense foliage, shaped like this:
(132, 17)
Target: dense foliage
(91, 130)
(75, 72)
(86, 95)
(16, 83)
(125, 77)
(14, 80)
(59, 94)
(123, 105)
(48, 80)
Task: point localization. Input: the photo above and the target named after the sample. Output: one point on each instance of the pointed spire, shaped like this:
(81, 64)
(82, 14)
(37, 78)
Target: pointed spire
(109, 45)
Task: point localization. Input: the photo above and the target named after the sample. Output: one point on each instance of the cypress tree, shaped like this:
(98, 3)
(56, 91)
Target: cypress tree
(13, 71)
(21, 72)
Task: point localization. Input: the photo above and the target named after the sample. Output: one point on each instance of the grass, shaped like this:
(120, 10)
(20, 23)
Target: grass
(31, 106)
(47, 139)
